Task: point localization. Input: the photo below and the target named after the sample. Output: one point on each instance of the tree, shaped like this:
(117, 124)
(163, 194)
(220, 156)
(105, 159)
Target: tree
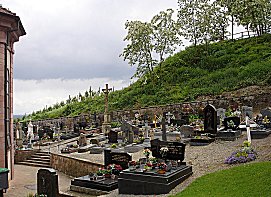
(201, 21)
(140, 49)
(165, 34)
(188, 19)
(149, 40)
(252, 14)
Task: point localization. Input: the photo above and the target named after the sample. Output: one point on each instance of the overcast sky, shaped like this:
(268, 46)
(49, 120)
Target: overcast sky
(71, 45)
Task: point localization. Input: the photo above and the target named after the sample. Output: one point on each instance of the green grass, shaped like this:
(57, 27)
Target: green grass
(248, 180)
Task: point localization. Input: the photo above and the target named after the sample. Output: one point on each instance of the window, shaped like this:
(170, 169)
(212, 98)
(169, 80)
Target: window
(7, 103)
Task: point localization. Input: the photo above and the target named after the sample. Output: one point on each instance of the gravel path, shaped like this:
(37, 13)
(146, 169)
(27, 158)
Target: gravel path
(208, 159)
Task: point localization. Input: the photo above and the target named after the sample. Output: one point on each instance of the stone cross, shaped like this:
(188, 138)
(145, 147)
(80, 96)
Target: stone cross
(106, 92)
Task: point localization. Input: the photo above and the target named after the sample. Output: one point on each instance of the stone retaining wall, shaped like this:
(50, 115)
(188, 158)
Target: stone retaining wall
(72, 166)
(22, 155)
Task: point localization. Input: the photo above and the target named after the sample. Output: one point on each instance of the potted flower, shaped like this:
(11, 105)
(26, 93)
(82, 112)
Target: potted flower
(114, 169)
(162, 168)
(148, 166)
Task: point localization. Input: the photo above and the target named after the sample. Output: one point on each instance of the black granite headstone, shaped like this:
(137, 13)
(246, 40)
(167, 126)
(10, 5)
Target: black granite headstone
(119, 158)
(176, 150)
(231, 122)
(113, 136)
(210, 119)
(266, 112)
(47, 182)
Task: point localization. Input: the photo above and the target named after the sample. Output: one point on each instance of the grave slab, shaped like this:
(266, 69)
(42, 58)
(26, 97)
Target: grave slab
(228, 135)
(104, 184)
(152, 183)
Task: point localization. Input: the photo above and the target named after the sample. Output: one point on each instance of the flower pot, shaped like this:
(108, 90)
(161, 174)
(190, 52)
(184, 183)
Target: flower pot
(161, 171)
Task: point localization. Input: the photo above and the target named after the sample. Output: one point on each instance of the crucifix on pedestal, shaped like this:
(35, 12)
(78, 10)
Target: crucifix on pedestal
(106, 126)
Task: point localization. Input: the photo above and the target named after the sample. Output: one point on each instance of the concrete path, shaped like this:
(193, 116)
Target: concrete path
(25, 181)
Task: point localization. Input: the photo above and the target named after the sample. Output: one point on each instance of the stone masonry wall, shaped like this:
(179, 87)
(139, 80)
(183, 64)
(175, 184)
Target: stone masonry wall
(72, 166)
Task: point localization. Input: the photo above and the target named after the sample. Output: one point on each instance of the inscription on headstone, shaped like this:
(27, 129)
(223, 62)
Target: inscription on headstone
(120, 158)
(176, 150)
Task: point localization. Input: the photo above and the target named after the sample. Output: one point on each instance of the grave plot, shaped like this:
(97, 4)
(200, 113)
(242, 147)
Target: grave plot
(231, 129)
(264, 126)
(156, 175)
(210, 128)
(105, 179)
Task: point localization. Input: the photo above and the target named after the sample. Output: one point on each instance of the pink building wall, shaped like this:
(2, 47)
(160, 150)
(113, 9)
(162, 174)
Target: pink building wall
(10, 30)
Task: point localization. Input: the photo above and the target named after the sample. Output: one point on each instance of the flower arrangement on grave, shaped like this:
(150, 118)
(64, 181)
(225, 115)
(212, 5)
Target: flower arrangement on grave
(148, 166)
(114, 168)
(147, 152)
(103, 172)
(162, 166)
(163, 151)
(132, 163)
(231, 124)
(266, 120)
(245, 154)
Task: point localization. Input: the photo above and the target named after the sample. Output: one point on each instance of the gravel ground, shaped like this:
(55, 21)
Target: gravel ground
(208, 159)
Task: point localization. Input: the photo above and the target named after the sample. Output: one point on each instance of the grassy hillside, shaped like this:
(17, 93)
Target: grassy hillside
(196, 71)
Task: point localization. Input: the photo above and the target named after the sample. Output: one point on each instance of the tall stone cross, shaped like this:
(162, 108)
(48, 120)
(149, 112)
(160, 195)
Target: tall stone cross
(106, 92)
(106, 126)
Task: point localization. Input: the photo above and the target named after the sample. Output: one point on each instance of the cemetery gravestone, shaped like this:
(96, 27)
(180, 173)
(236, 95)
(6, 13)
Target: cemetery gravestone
(247, 111)
(187, 131)
(210, 119)
(119, 158)
(221, 114)
(231, 123)
(47, 182)
(113, 136)
(82, 140)
(176, 150)
(266, 112)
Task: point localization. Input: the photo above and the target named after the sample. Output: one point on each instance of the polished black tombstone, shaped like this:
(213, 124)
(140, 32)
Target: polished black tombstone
(47, 182)
(210, 119)
(260, 133)
(119, 158)
(113, 136)
(175, 149)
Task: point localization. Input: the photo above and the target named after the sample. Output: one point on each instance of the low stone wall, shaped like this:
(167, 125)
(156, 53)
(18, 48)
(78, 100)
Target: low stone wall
(72, 166)
(22, 155)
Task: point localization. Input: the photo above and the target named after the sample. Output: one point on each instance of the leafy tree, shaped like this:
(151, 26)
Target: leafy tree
(201, 21)
(165, 34)
(149, 40)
